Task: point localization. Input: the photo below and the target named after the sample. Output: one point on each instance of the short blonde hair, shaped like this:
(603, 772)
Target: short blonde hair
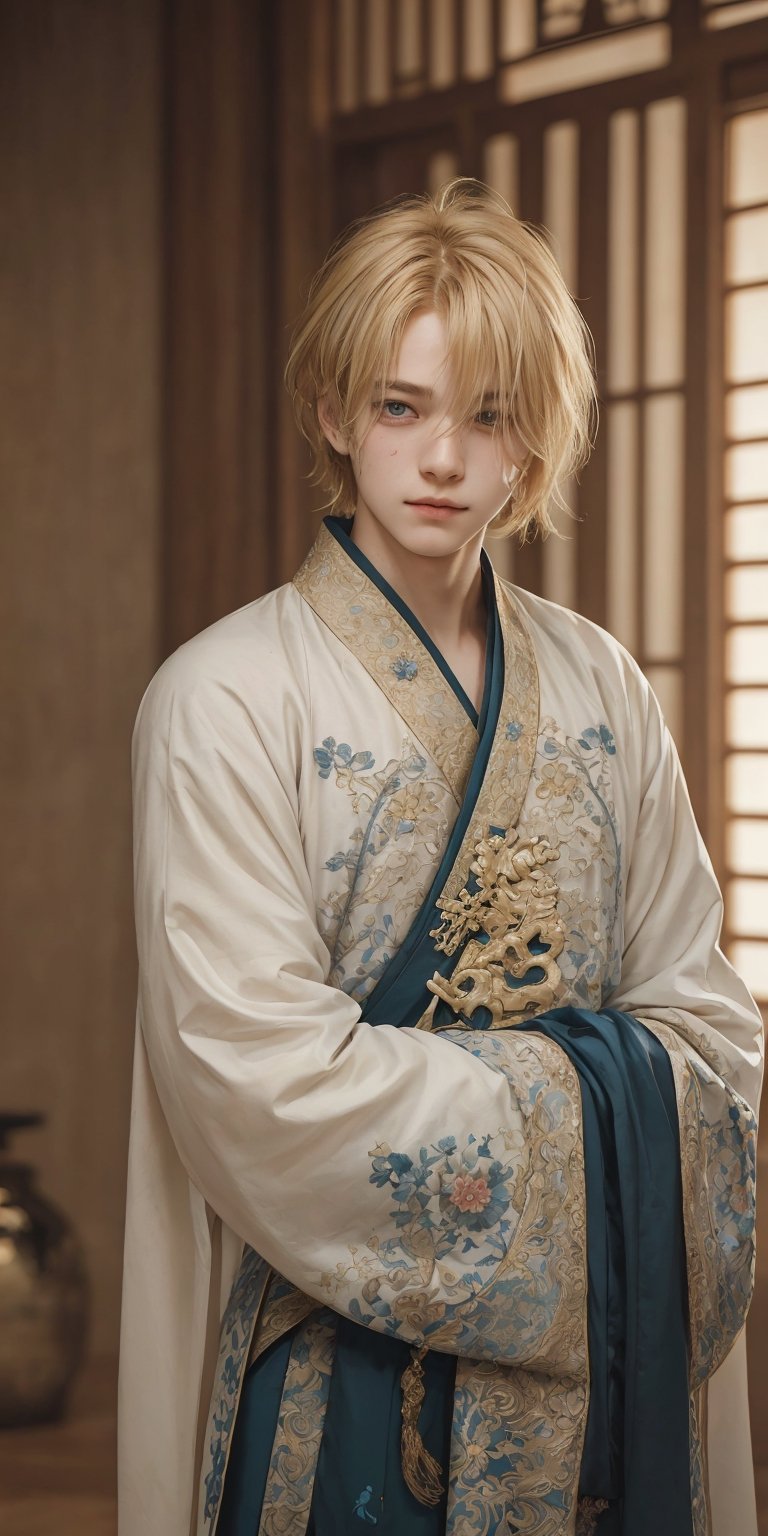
(511, 325)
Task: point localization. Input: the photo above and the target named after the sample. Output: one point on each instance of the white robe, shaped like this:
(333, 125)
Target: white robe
(257, 1092)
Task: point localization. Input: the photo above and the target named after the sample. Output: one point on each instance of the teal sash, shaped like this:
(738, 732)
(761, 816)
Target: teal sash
(636, 1450)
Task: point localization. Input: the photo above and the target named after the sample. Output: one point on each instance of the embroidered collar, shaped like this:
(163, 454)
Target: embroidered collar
(362, 616)
(371, 620)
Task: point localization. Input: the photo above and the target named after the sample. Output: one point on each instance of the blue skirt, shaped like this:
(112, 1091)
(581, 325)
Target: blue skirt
(359, 1478)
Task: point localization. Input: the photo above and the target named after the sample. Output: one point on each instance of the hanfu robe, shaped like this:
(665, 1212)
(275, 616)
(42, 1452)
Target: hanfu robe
(441, 1178)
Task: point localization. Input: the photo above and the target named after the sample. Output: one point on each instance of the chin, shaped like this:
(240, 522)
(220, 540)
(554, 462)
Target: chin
(432, 539)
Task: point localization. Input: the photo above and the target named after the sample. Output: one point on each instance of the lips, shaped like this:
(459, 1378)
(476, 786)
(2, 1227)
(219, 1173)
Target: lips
(429, 501)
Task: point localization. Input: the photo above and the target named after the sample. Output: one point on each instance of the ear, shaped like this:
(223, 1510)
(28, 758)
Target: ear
(328, 425)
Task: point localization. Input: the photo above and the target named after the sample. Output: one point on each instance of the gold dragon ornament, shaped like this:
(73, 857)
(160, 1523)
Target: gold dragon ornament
(513, 904)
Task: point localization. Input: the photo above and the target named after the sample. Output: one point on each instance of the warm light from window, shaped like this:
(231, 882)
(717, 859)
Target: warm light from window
(746, 544)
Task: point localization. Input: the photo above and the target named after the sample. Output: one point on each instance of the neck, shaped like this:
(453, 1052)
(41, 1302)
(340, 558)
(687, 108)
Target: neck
(444, 592)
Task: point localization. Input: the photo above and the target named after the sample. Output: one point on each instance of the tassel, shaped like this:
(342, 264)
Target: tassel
(421, 1472)
(588, 1512)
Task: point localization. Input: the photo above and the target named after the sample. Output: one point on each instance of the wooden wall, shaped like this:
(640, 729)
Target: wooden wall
(80, 348)
(151, 255)
(245, 225)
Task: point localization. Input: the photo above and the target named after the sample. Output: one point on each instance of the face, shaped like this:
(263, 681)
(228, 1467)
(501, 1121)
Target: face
(415, 456)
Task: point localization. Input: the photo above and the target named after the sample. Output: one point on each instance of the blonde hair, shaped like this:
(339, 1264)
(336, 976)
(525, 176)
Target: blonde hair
(511, 325)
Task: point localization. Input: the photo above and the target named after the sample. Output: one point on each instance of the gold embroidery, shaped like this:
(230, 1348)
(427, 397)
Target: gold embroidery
(501, 1462)
(299, 1431)
(701, 1509)
(364, 620)
(508, 774)
(284, 1306)
(513, 904)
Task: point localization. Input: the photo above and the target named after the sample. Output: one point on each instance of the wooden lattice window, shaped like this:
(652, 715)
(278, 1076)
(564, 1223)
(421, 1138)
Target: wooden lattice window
(745, 480)
(598, 121)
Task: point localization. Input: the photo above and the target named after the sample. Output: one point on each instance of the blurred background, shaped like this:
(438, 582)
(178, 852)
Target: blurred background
(171, 174)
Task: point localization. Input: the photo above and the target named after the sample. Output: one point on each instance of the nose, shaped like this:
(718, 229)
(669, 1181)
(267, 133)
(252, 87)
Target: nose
(442, 454)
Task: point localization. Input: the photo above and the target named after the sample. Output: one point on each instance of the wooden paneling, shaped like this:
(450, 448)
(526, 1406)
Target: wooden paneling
(593, 294)
(161, 207)
(246, 224)
(79, 579)
(220, 414)
(300, 234)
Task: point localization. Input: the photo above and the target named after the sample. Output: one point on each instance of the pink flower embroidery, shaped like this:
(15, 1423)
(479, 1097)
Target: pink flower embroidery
(470, 1194)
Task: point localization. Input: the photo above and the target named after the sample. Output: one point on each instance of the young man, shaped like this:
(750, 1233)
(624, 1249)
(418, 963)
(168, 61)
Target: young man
(441, 1195)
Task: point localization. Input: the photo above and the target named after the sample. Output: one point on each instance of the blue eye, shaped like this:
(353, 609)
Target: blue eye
(399, 405)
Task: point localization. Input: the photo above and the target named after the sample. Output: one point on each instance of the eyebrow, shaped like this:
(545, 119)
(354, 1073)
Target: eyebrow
(421, 391)
(409, 389)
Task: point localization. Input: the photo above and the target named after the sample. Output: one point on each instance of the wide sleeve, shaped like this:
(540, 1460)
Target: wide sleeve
(676, 979)
(672, 962)
(373, 1167)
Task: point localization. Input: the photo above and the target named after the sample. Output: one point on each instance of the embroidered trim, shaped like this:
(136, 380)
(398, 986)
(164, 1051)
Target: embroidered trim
(299, 1431)
(506, 1475)
(284, 1306)
(246, 1299)
(404, 669)
(364, 620)
(510, 765)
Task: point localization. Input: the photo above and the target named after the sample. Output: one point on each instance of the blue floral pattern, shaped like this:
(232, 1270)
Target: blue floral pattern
(571, 801)
(454, 1193)
(405, 669)
(340, 758)
(591, 738)
(718, 1134)
(402, 816)
(234, 1339)
(468, 1220)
